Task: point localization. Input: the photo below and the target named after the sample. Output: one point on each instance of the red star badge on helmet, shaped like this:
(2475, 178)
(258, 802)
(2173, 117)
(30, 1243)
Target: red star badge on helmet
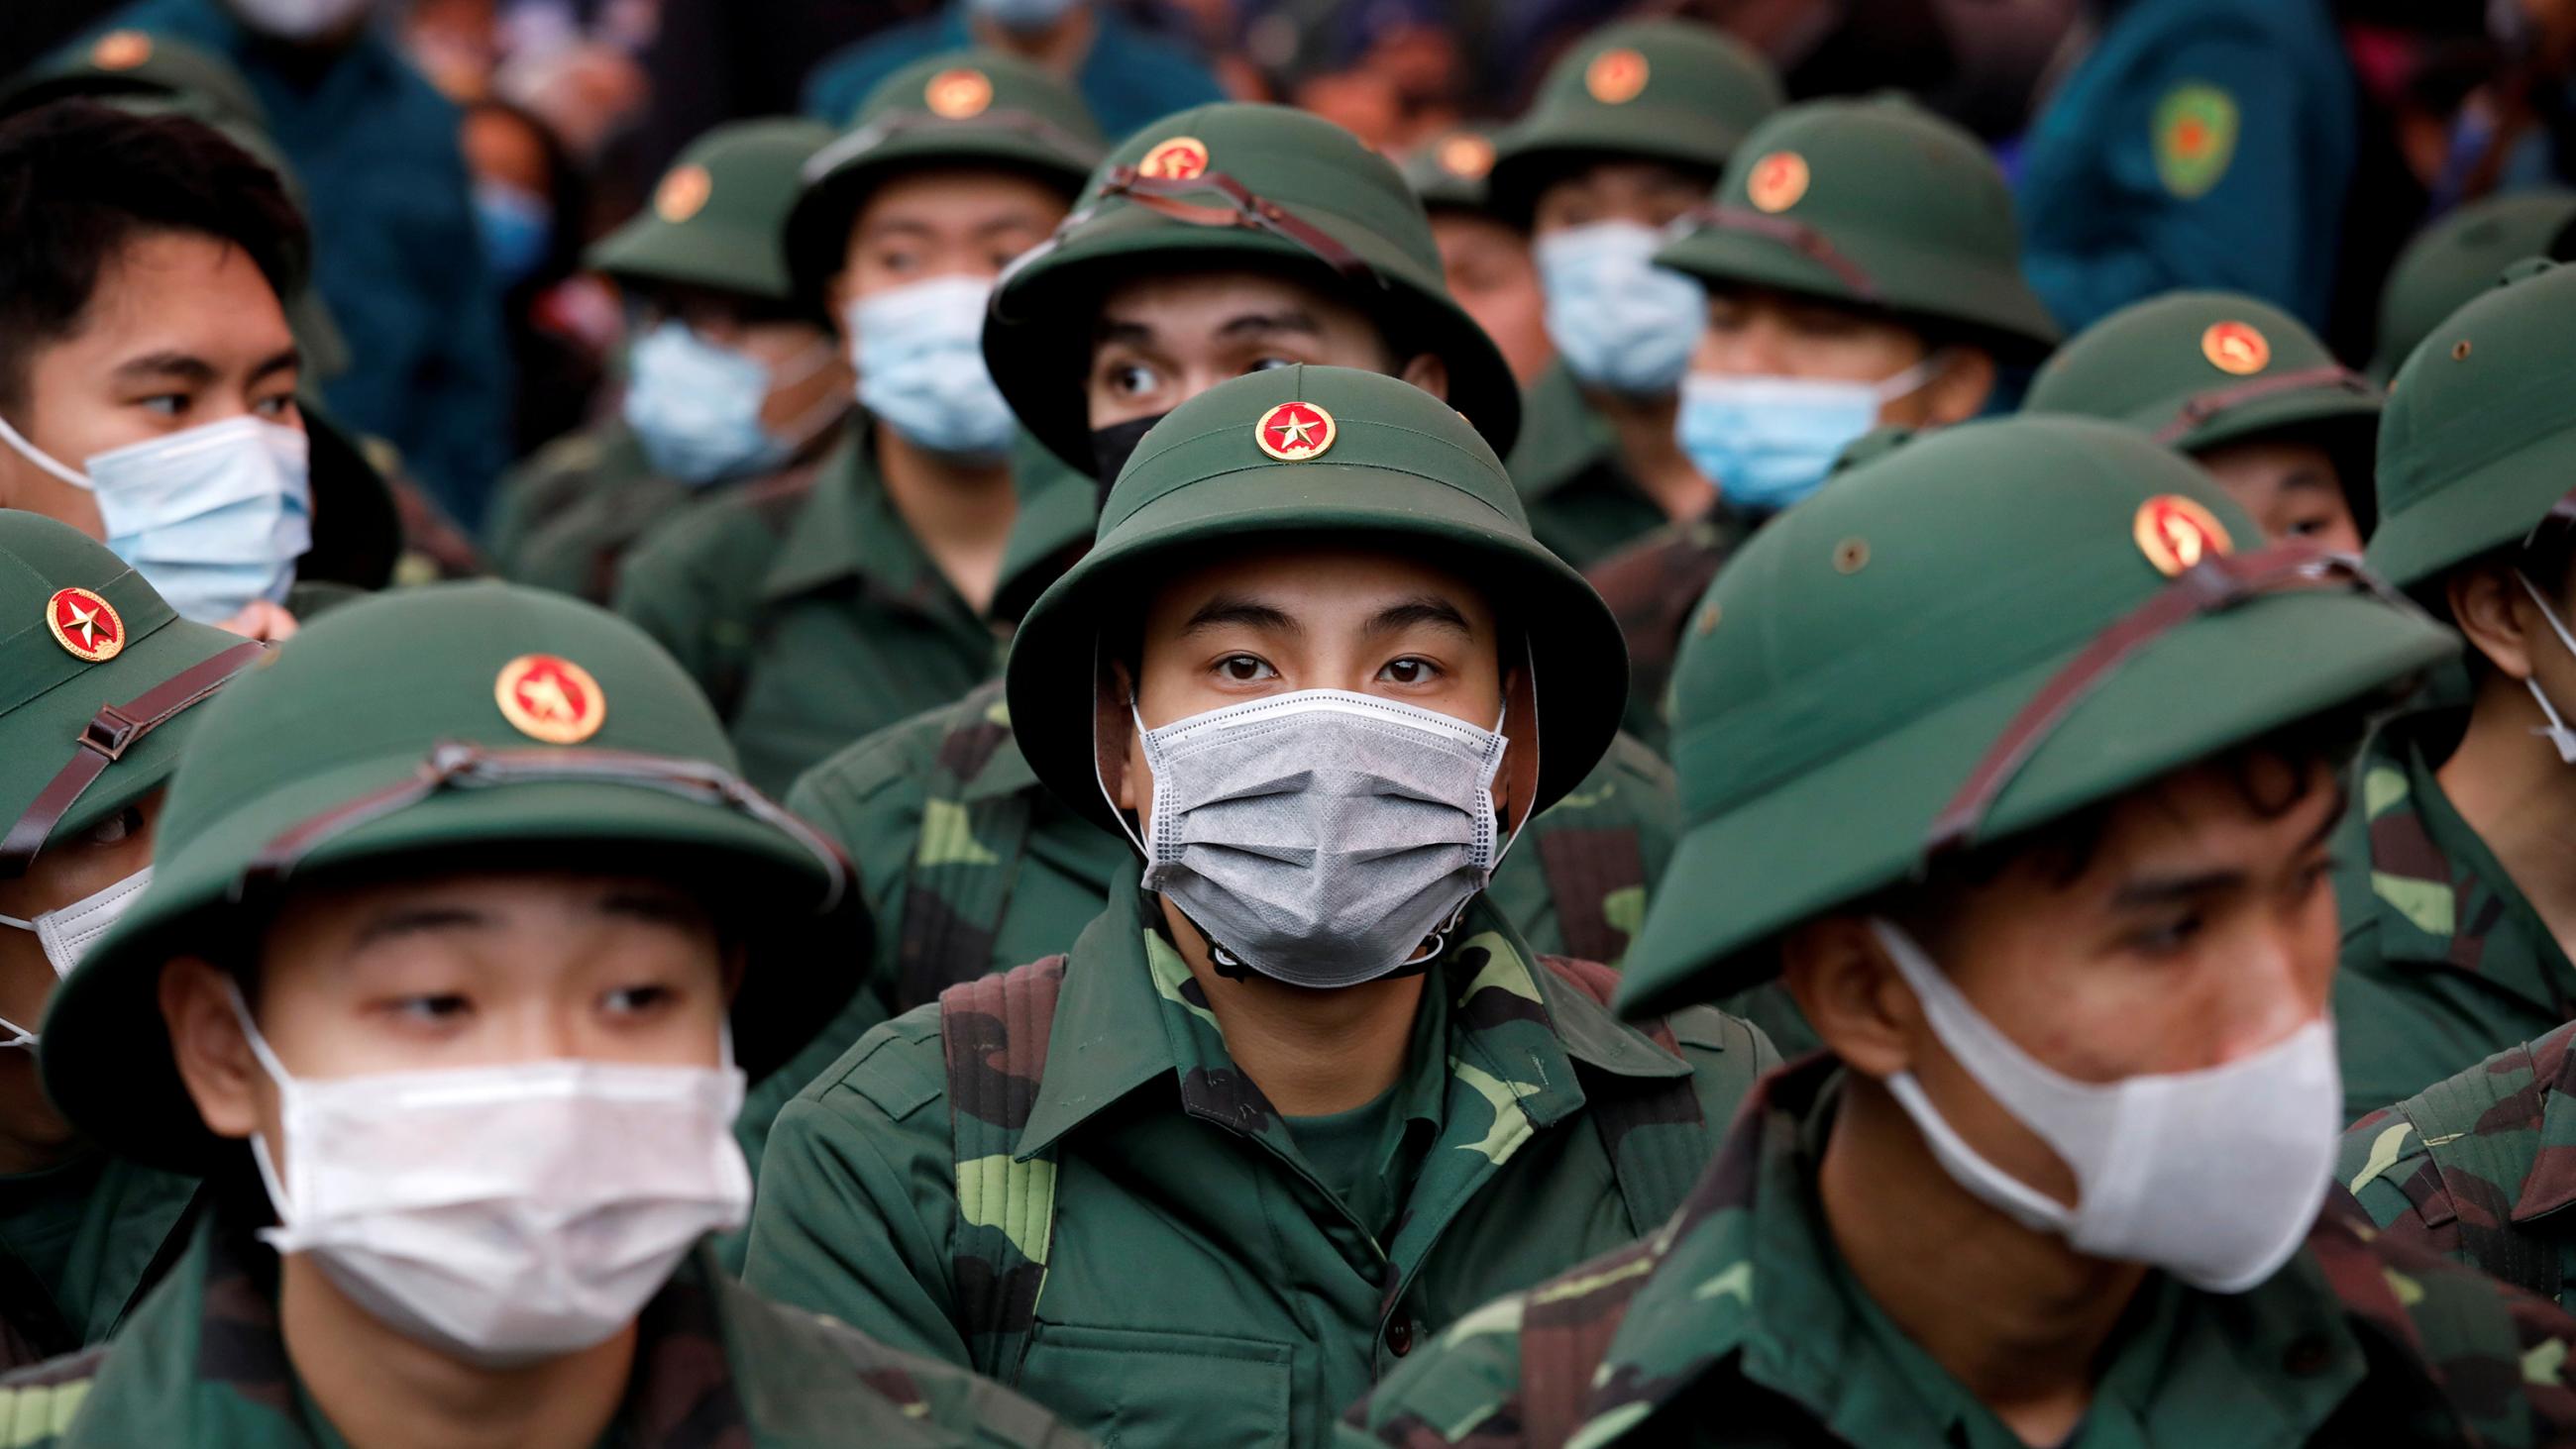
(550, 698)
(1615, 77)
(2174, 533)
(2235, 347)
(85, 624)
(1294, 431)
(1777, 181)
(1182, 158)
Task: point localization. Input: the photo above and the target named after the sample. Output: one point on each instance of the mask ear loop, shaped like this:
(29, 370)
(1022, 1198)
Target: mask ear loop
(43, 459)
(269, 1176)
(2556, 730)
(1103, 690)
(1520, 759)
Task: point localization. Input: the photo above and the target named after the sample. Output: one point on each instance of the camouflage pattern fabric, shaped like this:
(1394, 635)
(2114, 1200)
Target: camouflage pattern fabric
(136, 1221)
(1581, 502)
(1737, 1324)
(1163, 1152)
(1653, 588)
(2444, 960)
(716, 1367)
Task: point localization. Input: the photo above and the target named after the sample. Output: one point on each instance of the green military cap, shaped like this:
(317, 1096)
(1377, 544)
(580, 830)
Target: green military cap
(469, 726)
(131, 62)
(1334, 455)
(2196, 369)
(963, 108)
(2478, 443)
(1449, 171)
(717, 216)
(1981, 630)
(1872, 203)
(98, 682)
(1244, 185)
(2456, 258)
(1660, 90)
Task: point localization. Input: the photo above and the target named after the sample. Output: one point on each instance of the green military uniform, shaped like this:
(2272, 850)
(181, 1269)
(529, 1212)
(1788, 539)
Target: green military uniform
(1968, 576)
(81, 1241)
(1878, 206)
(803, 604)
(2444, 960)
(522, 729)
(565, 518)
(2451, 261)
(2195, 370)
(1654, 90)
(1060, 1175)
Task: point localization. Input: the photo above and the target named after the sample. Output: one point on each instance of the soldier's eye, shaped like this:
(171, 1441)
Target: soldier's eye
(432, 1010)
(122, 825)
(632, 1000)
(1409, 670)
(1265, 364)
(1244, 668)
(1133, 379)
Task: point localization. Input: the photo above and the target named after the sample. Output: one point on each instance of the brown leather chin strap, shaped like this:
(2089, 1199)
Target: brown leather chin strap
(2217, 583)
(1797, 236)
(105, 739)
(2206, 405)
(1240, 207)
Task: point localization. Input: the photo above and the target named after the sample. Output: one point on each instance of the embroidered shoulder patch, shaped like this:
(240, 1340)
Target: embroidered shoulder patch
(2195, 138)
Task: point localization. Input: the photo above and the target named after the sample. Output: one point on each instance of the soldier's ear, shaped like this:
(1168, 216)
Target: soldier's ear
(1114, 738)
(1427, 372)
(214, 1058)
(2490, 606)
(1959, 386)
(1851, 994)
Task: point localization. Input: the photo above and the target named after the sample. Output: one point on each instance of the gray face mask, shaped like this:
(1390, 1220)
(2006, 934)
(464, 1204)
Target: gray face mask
(1322, 838)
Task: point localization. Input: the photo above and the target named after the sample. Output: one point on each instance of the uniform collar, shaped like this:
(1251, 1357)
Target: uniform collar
(1059, 509)
(2551, 1184)
(1561, 437)
(849, 529)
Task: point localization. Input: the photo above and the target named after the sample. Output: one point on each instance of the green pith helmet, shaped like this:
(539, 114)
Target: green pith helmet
(964, 108)
(1854, 687)
(718, 216)
(2478, 443)
(102, 680)
(1394, 469)
(1654, 90)
(1449, 171)
(1236, 185)
(2196, 369)
(472, 727)
(2456, 258)
(130, 62)
(1873, 203)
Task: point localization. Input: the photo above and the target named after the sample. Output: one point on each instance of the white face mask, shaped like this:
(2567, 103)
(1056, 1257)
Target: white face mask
(2557, 731)
(2152, 1153)
(919, 351)
(504, 1214)
(66, 933)
(212, 517)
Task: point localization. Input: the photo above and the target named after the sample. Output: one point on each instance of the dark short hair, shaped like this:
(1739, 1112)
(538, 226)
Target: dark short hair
(79, 181)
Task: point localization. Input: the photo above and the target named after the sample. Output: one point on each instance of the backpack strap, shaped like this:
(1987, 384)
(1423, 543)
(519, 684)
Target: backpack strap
(2484, 1163)
(1567, 1323)
(1585, 869)
(1652, 1184)
(993, 1036)
(965, 860)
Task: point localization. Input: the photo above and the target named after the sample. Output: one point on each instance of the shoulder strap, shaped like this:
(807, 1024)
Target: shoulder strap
(1585, 867)
(1566, 1327)
(993, 1035)
(965, 860)
(1652, 1184)
(2481, 1164)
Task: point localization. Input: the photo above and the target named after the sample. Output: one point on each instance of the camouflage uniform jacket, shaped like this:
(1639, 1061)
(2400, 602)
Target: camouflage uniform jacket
(1739, 1324)
(716, 1367)
(1582, 504)
(967, 864)
(2444, 960)
(134, 1224)
(1653, 586)
(1200, 1286)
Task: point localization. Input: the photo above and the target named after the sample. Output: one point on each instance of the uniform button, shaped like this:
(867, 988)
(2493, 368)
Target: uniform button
(1399, 1338)
(2307, 1357)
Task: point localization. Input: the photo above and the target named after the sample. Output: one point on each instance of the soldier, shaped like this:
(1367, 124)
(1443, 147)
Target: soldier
(1484, 258)
(104, 680)
(1283, 1109)
(2020, 776)
(1861, 269)
(2459, 894)
(816, 608)
(2240, 387)
(2451, 261)
(429, 952)
(731, 376)
(1147, 298)
(1628, 132)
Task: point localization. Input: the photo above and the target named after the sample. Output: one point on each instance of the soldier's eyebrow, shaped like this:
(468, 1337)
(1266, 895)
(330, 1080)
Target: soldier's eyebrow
(1119, 329)
(419, 920)
(2151, 890)
(156, 366)
(2308, 476)
(659, 906)
(1422, 609)
(1236, 610)
(1262, 324)
(286, 361)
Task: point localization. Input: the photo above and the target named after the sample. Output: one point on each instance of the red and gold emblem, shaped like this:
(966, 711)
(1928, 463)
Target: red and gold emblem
(121, 50)
(1294, 431)
(548, 697)
(1466, 157)
(1615, 77)
(683, 193)
(2174, 533)
(1777, 181)
(1182, 158)
(2235, 347)
(958, 94)
(85, 624)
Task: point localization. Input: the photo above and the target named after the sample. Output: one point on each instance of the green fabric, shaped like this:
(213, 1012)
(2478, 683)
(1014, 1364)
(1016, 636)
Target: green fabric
(1665, 90)
(1354, 1154)
(1653, 587)
(565, 519)
(42, 1212)
(2444, 960)
(1581, 499)
(716, 215)
(716, 1366)
(2451, 261)
(93, 1234)
(1741, 1326)
(2156, 365)
(1188, 1244)
(138, 62)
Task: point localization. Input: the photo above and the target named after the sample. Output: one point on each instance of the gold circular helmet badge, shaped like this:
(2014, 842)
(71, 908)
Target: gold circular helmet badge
(548, 697)
(1777, 181)
(2175, 533)
(1182, 158)
(1293, 432)
(958, 94)
(683, 193)
(1615, 77)
(121, 50)
(1466, 157)
(2235, 347)
(87, 626)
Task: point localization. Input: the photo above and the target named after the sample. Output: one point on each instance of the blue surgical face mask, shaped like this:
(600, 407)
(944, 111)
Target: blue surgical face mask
(1619, 321)
(517, 227)
(1020, 16)
(695, 406)
(920, 355)
(1767, 442)
(213, 517)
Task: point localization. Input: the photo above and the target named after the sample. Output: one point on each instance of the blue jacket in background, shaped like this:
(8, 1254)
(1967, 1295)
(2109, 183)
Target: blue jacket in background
(1130, 77)
(2201, 143)
(396, 253)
